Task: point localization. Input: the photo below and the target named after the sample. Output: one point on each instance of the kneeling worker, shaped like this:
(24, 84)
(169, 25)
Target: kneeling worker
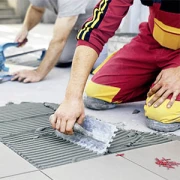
(70, 17)
(148, 66)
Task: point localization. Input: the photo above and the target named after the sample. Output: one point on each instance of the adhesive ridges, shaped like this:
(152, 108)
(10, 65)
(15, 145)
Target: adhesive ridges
(127, 140)
(21, 118)
(45, 150)
(25, 128)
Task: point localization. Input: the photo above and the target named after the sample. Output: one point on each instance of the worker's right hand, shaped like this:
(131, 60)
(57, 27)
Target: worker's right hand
(68, 113)
(21, 37)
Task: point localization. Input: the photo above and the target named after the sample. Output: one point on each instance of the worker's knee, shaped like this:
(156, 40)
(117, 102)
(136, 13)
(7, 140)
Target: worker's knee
(65, 59)
(102, 92)
(162, 113)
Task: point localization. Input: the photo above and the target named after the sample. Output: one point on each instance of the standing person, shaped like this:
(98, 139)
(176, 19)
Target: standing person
(148, 66)
(70, 17)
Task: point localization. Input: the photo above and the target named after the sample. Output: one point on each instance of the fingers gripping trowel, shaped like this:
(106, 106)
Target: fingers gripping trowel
(4, 71)
(93, 134)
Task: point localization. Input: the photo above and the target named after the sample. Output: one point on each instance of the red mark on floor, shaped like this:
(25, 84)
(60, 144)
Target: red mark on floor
(122, 155)
(167, 163)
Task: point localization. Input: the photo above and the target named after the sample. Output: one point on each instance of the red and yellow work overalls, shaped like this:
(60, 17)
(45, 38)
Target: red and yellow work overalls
(127, 75)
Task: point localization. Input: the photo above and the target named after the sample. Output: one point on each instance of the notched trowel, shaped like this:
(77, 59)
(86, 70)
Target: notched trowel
(93, 135)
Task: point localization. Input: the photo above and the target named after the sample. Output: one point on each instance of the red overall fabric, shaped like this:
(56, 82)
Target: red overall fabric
(135, 67)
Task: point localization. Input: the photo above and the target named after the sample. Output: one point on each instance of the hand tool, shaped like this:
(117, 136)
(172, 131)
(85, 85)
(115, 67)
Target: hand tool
(6, 76)
(93, 134)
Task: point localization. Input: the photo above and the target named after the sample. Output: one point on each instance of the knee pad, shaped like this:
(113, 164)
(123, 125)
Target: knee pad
(162, 113)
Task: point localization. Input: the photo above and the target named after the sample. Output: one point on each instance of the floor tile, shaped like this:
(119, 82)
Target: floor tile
(104, 168)
(28, 176)
(145, 157)
(11, 163)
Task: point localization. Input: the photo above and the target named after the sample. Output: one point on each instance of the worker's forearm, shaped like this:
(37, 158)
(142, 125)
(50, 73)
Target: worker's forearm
(83, 62)
(52, 56)
(33, 17)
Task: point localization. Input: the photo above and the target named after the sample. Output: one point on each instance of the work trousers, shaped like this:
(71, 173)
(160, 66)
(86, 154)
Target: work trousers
(128, 74)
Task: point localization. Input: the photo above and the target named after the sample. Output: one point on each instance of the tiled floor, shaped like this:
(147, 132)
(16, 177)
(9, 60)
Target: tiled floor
(168, 151)
(11, 163)
(103, 168)
(28, 176)
(136, 164)
(52, 89)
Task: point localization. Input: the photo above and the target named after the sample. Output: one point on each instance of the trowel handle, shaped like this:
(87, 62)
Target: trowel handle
(77, 127)
(80, 129)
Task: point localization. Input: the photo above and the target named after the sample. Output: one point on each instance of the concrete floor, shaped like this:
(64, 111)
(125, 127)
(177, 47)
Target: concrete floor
(52, 89)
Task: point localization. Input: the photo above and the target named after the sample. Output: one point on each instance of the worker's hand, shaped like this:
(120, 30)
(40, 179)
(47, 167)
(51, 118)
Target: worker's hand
(27, 76)
(21, 38)
(167, 83)
(69, 112)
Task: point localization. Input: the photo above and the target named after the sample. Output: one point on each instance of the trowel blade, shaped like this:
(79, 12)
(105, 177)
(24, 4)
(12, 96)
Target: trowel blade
(103, 134)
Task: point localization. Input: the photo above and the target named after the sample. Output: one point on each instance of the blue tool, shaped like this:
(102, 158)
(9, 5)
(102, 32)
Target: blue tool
(4, 75)
(3, 68)
(5, 78)
(2, 57)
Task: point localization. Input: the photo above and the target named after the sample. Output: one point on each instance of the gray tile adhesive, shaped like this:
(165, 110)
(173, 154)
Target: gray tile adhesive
(25, 128)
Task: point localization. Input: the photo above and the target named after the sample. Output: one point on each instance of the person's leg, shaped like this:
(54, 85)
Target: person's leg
(68, 51)
(163, 118)
(103, 55)
(127, 75)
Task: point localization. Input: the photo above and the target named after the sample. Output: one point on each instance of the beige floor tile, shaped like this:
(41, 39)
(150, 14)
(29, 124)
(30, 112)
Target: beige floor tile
(11, 163)
(28, 176)
(103, 168)
(145, 157)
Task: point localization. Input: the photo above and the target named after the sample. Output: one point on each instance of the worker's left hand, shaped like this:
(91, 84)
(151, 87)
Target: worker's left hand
(27, 76)
(167, 83)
